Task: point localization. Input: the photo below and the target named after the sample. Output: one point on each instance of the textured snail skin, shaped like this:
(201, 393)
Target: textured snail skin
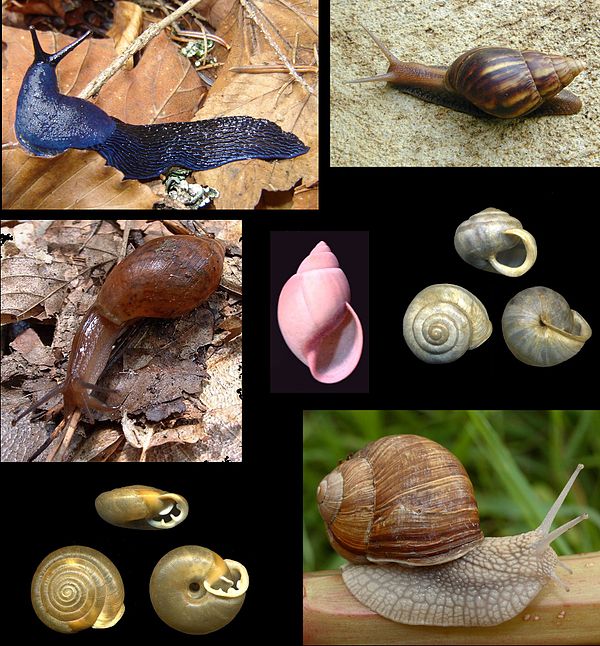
(75, 588)
(316, 319)
(403, 499)
(495, 241)
(195, 591)
(540, 328)
(443, 321)
(47, 123)
(490, 81)
(141, 507)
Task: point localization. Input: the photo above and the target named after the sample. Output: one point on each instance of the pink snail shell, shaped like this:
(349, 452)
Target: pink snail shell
(316, 319)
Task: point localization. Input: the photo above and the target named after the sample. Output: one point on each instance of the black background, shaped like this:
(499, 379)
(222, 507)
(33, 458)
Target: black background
(251, 512)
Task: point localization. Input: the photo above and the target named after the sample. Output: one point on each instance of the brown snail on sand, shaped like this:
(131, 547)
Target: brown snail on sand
(195, 591)
(405, 501)
(141, 507)
(490, 81)
(164, 278)
(75, 588)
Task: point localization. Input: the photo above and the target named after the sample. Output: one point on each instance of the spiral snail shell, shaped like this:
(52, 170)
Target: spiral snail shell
(495, 241)
(77, 587)
(316, 319)
(396, 503)
(141, 507)
(490, 81)
(195, 591)
(400, 499)
(444, 321)
(540, 328)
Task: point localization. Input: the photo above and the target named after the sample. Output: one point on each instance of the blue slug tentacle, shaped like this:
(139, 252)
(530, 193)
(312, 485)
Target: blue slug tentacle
(47, 123)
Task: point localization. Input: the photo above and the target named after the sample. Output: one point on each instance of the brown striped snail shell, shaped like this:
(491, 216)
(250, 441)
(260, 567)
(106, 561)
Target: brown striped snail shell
(195, 591)
(402, 499)
(75, 588)
(406, 501)
(540, 328)
(142, 507)
(496, 81)
(494, 241)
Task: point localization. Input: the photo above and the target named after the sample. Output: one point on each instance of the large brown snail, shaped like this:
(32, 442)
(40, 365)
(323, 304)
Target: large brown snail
(195, 591)
(490, 81)
(141, 507)
(75, 588)
(541, 329)
(405, 501)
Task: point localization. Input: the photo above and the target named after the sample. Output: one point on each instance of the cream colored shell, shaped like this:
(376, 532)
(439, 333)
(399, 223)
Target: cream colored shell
(77, 587)
(142, 507)
(495, 241)
(443, 322)
(541, 329)
(195, 591)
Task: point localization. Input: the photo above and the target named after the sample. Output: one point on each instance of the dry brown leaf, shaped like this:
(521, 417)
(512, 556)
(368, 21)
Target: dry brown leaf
(127, 26)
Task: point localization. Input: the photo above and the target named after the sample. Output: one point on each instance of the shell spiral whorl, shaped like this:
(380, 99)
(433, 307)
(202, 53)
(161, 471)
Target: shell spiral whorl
(443, 322)
(540, 328)
(75, 588)
(316, 319)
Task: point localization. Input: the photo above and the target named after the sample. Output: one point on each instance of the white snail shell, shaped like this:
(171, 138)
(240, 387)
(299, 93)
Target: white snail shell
(495, 241)
(541, 329)
(443, 322)
(316, 319)
(142, 507)
(195, 591)
(77, 587)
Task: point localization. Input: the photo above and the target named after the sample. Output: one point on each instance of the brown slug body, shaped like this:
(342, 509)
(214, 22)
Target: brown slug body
(164, 278)
(490, 81)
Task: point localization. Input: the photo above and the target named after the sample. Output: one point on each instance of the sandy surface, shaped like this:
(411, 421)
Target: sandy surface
(376, 125)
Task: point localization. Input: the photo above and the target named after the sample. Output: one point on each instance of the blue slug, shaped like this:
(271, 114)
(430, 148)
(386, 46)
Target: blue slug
(47, 123)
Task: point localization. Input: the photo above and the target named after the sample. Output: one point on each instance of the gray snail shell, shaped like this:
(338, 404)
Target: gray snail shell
(195, 591)
(489, 582)
(444, 321)
(540, 328)
(142, 507)
(75, 588)
(489, 82)
(494, 241)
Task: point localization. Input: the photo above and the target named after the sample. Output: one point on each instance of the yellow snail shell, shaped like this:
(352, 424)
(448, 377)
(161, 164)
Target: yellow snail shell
(443, 322)
(77, 587)
(142, 507)
(495, 241)
(195, 591)
(541, 329)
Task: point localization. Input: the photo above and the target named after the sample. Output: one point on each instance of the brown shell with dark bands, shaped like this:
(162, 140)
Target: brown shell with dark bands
(507, 83)
(402, 498)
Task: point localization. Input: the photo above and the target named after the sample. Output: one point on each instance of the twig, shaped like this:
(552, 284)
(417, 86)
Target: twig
(333, 616)
(141, 41)
(273, 69)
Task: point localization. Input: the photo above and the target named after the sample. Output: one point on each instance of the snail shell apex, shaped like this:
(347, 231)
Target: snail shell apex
(195, 591)
(141, 507)
(443, 321)
(494, 241)
(508, 83)
(316, 319)
(402, 499)
(75, 588)
(540, 328)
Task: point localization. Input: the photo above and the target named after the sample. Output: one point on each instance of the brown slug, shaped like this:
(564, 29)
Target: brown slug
(489, 81)
(164, 278)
